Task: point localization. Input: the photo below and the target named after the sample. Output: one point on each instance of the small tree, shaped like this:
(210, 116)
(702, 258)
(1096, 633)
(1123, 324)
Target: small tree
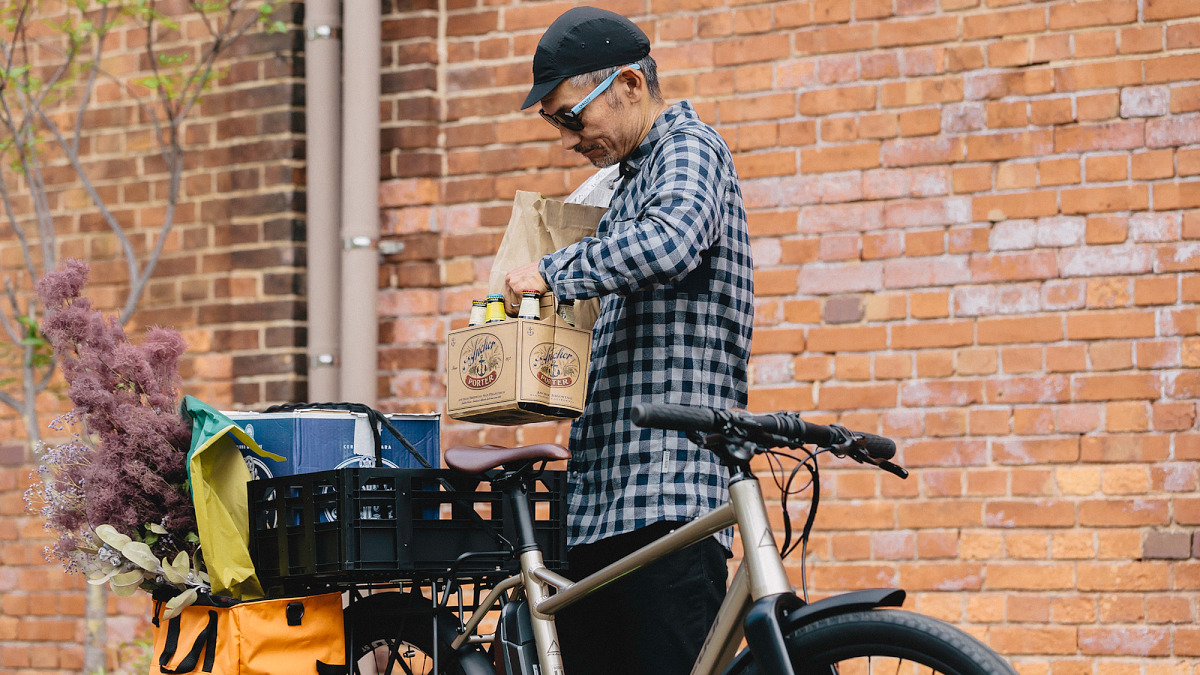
(52, 61)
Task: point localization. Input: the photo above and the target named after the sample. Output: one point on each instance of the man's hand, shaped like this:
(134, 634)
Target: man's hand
(521, 279)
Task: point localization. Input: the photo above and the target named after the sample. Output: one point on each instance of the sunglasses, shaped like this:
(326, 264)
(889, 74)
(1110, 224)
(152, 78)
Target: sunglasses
(569, 120)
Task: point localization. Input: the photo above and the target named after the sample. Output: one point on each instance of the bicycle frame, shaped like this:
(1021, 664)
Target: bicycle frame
(760, 575)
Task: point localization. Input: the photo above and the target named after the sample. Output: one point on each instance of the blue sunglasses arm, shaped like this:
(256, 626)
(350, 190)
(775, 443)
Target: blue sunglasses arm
(600, 89)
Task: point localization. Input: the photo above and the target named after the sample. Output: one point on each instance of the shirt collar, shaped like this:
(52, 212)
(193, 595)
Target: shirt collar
(669, 118)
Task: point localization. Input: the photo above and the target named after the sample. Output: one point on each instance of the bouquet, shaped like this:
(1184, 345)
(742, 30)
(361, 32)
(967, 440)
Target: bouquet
(116, 494)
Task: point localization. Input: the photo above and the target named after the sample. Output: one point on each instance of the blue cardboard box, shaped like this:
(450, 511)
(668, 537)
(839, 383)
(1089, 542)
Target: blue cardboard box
(320, 440)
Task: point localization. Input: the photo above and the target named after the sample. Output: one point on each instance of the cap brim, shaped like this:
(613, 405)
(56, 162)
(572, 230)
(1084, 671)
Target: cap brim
(539, 92)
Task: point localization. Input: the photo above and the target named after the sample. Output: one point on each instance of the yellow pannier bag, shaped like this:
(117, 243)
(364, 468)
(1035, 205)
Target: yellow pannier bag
(296, 636)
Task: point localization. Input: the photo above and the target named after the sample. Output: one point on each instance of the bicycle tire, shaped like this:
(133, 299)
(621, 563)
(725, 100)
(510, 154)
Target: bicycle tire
(402, 623)
(877, 641)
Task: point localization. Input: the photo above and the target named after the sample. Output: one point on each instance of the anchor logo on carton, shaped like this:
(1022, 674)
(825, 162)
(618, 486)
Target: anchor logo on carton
(481, 360)
(554, 365)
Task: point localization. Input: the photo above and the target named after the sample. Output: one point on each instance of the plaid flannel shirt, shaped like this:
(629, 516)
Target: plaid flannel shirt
(671, 264)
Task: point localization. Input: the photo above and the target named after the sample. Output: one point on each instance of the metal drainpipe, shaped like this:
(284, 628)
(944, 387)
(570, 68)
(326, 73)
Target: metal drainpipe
(322, 130)
(360, 201)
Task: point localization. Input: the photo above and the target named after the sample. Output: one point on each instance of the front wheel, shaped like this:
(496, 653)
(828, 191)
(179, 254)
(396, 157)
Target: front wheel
(392, 633)
(883, 641)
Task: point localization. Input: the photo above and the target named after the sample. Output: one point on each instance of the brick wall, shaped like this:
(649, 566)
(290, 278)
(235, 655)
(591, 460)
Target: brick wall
(975, 227)
(229, 279)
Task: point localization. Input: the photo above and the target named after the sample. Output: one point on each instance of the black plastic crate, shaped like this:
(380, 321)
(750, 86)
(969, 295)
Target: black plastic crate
(360, 525)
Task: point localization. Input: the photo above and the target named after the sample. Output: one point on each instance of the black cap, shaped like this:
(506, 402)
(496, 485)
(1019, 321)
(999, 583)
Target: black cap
(583, 40)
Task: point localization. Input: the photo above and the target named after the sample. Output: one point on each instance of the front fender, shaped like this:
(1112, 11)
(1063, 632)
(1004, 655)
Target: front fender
(853, 601)
(841, 604)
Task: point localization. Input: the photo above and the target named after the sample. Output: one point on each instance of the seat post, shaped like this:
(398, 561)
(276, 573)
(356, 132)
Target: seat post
(521, 515)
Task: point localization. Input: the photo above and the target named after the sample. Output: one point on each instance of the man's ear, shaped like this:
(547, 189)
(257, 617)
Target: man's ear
(631, 84)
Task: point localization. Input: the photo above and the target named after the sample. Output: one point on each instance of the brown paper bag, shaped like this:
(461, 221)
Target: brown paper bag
(539, 226)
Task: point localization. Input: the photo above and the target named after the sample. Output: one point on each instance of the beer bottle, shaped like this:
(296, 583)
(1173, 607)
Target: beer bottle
(478, 313)
(531, 306)
(495, 309)
(566, 311)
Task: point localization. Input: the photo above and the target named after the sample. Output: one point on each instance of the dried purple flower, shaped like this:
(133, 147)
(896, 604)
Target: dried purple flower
(126, 467)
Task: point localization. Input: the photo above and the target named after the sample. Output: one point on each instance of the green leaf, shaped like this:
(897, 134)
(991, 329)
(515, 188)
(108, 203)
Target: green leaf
(109, 535)
(139, 554)
(172, 574)
(128, 578)
(176, 604)
(156, 528)
(192, 538)
(99, 578)
(124, 591)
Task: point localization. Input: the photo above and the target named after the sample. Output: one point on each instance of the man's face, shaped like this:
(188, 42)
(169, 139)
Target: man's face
(609, 126)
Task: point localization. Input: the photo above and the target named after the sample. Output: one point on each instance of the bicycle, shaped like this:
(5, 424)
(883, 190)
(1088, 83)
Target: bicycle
(858, 631)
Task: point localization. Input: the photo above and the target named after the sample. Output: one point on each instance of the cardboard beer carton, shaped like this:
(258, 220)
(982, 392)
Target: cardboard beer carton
(518, 371)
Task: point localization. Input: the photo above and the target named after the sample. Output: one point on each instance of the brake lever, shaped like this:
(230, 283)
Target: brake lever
(861, 456)
(849, 447)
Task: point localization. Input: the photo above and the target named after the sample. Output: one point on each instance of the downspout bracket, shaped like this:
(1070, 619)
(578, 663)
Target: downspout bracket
(323, 32)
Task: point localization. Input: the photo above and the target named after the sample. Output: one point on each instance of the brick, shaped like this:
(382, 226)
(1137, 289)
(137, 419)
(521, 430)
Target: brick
(751, 49)
(1030, 577)
(1019, 205)
(1009, 145)
(1109, 325)
(1161, 545)
(1049, 112)
(941, 576)
(1013, 390)
(1097, 76)
(1014, 267)
(1038, 451)
(969, 179)
(1092, 137)
(1009, 53)
(920, 151)
(1172, 131)
(1029, 640)
(922, 91)
(830, 39)
(1107, 168)
(1122, 577)
(918, 31)
(1007, 114)
(1001, 23)
(1159, 10)
(1097, 107)
(1093, 200)
(1172, 68)
(858, 338)
(1177, 195)
(845, 309)
(842, 99)
(842, 158)
(1019, 330)
(1095, 44)
(1095, 13)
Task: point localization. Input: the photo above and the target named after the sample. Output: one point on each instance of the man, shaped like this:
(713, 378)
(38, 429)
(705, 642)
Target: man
(671, 265)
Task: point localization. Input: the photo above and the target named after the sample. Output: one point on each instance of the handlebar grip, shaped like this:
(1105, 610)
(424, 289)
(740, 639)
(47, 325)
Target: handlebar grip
(877, 447)
(674, 417)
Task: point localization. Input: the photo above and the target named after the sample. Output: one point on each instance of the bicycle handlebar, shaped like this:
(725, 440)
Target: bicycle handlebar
(766, 429)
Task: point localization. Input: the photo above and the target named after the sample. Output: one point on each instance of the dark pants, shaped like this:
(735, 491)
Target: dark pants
(651, 621)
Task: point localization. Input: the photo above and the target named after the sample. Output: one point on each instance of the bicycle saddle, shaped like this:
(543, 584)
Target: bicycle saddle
(469, 459)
